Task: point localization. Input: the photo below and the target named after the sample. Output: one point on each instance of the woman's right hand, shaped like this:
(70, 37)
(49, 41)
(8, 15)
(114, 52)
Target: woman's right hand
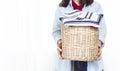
(59, 49)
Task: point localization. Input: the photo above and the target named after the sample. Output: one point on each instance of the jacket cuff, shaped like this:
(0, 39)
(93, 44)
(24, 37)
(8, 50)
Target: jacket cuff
(57, 38)
(102, 40)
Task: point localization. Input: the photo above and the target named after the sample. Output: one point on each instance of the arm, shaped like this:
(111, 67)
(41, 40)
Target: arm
(56, 32)
(102, 33)
(102, 29)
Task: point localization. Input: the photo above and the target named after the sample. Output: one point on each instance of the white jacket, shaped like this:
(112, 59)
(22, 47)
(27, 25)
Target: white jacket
(65, 65)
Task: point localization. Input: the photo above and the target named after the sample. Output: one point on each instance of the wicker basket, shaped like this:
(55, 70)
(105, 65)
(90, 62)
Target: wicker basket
(80, 42)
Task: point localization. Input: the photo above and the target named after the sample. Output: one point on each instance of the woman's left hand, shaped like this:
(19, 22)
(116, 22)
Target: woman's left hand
(99, 50)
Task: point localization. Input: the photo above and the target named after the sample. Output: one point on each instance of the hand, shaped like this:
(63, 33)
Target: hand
(59, 49)
(99, 50)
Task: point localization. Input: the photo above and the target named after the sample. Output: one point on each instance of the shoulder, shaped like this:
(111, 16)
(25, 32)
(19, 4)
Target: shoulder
(58, 10)
(96, 4)
(62, 10)
(95, 7)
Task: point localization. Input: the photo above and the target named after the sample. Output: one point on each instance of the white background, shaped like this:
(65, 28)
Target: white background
(26, 42)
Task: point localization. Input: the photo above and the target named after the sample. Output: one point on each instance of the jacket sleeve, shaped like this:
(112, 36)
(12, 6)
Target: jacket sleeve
(56, 31)
(102, 29)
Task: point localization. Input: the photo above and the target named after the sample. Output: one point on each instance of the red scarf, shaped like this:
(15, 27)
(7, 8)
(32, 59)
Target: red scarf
(75, 6)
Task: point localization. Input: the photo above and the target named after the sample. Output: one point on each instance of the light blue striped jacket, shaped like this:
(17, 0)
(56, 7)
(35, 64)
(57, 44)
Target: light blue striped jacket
(65, 65)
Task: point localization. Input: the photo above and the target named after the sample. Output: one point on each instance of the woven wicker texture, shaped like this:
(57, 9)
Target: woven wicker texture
(80, 42)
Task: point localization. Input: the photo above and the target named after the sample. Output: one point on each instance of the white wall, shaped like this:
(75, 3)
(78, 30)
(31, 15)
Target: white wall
(26, 43)
(112, 48)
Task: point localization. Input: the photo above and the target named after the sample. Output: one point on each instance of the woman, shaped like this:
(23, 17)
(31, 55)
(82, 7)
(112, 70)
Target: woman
(82, 5)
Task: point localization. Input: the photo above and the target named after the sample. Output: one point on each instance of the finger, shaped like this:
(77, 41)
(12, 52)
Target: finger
(99, 48)
(99, 43)
(60, 54)
(59, 42)
(60, 45)
(99, 51)
(99, 55)
(99, 58)
(59, 49)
